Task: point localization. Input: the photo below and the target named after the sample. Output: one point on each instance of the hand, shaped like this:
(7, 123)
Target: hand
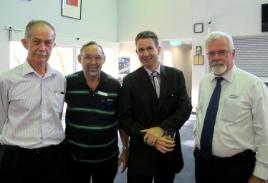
(164, 145)
(123, 159)
(152, 134)
(254, 179)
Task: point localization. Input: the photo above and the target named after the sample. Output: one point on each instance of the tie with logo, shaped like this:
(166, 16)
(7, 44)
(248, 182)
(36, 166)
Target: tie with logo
(156, 83)
(209, 122)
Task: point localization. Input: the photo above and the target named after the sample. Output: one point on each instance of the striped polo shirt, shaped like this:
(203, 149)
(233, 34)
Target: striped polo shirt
(91, 124)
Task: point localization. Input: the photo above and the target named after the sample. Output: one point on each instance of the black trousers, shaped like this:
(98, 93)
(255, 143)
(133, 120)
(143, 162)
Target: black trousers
(42, 165)
(165, 174)
(235, 169)
(83, 172)
(163, 177)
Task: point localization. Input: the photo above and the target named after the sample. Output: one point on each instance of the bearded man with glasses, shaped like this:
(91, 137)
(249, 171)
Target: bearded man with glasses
(231, 132)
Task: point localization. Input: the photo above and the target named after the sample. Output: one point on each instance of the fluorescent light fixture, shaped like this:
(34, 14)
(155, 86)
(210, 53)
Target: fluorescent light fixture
(175, 43)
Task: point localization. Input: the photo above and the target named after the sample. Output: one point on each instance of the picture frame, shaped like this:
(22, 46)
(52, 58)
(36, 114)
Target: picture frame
(124, 65)
(198, 27)
(71, 9)
(198, 60)
(198, 50)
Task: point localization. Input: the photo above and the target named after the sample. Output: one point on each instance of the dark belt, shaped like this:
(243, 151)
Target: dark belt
(245, 154)
(34, 150)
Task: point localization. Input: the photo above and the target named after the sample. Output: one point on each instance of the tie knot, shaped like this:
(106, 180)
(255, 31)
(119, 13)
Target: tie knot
(219, 79)
(154, 74)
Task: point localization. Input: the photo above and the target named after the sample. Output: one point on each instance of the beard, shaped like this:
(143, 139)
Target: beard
(218, 67)
(92, 72)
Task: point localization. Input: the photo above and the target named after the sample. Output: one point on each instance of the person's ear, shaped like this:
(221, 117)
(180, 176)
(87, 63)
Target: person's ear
(79, 59)
(159, 49)
(24, 42)
(233, 52)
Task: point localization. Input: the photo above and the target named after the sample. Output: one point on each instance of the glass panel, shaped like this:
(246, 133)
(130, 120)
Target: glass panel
(77, 64)
(65, 59)
(61, 58)
(17, 55)
(168, 58)
(111, 62)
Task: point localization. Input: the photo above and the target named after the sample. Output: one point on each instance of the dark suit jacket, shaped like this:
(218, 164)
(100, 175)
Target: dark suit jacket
(139, 108)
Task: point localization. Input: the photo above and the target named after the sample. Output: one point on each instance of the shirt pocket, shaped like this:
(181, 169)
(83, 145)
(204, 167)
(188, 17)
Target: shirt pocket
(58, 101)
(232, 109)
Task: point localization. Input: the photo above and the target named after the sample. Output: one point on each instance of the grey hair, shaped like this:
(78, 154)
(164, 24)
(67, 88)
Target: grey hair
(217, 35)
(32, 23)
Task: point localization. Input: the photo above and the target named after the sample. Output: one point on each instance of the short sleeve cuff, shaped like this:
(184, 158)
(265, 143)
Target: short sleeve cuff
(260, 172)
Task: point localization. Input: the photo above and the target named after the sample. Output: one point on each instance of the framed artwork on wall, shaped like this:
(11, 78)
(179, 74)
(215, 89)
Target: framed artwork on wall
(198, 60)
(71, 8)
(198, 57)
(198, 27)
(124, 65)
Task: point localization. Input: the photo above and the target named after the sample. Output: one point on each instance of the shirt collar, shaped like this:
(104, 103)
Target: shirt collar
(27, 69)
(149, 72)
(228, 76)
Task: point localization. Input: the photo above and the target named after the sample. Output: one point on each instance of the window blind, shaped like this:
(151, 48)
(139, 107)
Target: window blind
(252, 54)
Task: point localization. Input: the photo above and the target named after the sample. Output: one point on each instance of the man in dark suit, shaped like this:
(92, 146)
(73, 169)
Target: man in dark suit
(145, 115)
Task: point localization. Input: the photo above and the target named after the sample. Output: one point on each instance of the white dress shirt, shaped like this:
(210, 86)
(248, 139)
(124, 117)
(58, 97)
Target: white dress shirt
(31, 107)
(150, 72)
(242, 118)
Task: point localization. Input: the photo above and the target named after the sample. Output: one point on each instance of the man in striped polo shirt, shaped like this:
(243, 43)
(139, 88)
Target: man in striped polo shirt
(91, 122)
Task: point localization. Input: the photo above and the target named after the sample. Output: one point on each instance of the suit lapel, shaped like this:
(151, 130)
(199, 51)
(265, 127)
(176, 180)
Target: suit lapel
(146, 82)
(163, 81)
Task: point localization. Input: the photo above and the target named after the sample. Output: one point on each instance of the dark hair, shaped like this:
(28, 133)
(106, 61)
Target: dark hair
(92, 43)
(32, 23)
(147, 34)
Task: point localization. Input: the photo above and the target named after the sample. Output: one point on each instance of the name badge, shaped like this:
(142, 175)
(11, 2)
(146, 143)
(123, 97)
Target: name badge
(233, 96)
(102, 93)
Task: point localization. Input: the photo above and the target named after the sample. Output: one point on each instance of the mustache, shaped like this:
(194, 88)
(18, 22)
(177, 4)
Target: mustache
(215, 63)
(41, 53)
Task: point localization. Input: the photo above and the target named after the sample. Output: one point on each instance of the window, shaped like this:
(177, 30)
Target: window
(64, 59)
(61, 58)
(252, 54)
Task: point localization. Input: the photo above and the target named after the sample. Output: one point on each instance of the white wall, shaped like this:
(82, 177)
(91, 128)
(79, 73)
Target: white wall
(4, 51)
(169, 18)
(98, 22)
(174, 19)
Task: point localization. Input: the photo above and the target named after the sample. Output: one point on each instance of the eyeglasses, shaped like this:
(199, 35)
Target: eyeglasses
(219, 53)
(89, 58)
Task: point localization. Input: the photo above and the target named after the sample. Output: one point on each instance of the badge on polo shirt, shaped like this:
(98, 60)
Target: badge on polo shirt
(102, 93)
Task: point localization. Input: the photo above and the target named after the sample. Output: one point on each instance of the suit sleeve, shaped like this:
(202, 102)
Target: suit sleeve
(125, 107)
(183, 106)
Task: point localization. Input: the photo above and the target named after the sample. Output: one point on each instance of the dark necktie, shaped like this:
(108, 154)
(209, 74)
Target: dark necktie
(156, 83)
(209, 122)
